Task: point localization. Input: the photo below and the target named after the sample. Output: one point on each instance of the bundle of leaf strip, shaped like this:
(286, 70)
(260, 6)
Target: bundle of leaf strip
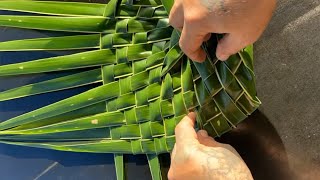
(149, 85)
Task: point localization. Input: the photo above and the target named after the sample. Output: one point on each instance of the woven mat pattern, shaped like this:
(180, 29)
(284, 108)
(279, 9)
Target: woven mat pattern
(149, 85)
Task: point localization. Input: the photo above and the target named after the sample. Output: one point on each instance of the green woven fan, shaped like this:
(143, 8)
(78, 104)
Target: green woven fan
(148, 84)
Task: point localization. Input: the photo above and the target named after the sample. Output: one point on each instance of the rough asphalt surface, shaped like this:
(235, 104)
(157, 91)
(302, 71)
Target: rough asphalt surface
(288, 81)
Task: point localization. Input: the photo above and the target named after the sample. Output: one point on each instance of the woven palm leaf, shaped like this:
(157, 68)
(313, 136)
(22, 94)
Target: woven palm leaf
(147, 84)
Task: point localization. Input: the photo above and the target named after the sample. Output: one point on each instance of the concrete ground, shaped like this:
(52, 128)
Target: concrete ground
(288, 81)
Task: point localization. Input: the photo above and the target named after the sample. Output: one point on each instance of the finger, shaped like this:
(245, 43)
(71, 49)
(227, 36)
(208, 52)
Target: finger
(206, 140)
(191, 41)
(176, 17)
(184, 131)
(229, 45)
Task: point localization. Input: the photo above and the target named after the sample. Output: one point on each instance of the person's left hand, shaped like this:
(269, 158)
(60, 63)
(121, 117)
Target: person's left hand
(198, 156)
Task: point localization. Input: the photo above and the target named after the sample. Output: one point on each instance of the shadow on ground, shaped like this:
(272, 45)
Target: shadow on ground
(259, 144)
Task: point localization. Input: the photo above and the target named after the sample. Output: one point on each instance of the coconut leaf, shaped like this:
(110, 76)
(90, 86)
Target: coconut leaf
(149, 85)
(74, 61)
(73, 103)
(119, 164)
(72, 24)
(53, 43)
(54, 8)
(66, 82)
(154, 166)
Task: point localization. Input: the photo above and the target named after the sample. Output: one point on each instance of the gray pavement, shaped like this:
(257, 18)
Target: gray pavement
(288, 81)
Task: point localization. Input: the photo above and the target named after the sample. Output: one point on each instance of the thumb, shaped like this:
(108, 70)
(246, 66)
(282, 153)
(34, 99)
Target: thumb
(184, 131)
(229, 45)
(205, 139)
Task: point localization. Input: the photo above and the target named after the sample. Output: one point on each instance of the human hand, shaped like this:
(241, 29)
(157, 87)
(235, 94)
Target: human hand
(197, 156)
(242, 22)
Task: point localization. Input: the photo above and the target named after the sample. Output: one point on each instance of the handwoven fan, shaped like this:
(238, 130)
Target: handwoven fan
(147, 84)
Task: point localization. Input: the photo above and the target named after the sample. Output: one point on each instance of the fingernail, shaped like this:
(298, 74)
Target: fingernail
(203, 133)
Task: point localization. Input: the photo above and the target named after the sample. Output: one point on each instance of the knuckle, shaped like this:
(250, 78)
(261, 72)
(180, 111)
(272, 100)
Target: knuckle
(185, 47)
(192, 18)
(172, 16)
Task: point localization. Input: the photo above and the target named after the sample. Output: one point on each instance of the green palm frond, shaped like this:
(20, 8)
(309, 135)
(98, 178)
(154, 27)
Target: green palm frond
(148, 84)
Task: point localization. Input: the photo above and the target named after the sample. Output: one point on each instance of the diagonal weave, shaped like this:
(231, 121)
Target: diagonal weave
(149, 85)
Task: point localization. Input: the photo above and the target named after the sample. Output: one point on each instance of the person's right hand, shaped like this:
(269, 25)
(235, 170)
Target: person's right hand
(197, 156)
(242, 22)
